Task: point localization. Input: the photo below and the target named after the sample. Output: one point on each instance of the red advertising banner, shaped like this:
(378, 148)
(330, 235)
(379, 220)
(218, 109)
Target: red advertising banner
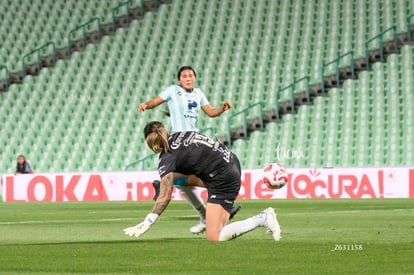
(326, 183)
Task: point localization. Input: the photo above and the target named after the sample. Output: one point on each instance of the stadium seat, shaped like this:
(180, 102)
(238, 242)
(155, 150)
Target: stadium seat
(44, 21)
(83, 113)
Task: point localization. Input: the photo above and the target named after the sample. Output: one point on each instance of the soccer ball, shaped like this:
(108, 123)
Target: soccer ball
(275, 176)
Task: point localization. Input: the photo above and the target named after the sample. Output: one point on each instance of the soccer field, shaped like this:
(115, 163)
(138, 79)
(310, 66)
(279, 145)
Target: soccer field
(318, 237)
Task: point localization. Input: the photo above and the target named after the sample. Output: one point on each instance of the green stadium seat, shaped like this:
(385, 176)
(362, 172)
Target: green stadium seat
(242, 51)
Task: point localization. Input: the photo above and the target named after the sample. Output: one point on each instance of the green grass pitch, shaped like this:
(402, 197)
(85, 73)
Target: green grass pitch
(318, 237)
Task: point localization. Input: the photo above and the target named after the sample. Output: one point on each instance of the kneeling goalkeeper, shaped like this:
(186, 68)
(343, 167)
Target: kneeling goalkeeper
(191, 153)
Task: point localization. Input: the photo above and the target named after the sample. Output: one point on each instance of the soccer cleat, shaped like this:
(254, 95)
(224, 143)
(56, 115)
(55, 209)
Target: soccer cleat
(198, 228)
(156, 185)
(272, 224)
(234, 211)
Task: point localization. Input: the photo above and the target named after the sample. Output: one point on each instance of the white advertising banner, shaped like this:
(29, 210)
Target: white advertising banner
(387, 182)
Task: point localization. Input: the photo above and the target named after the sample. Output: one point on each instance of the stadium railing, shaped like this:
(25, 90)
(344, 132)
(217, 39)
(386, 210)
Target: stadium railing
(245, 113)
(409, 25)
(292, 88)
(210, 130)
(142, 161)
(84, 27)
(116, 10)
(380, 36)
(51, 45)
(337, 71)
(7, 77)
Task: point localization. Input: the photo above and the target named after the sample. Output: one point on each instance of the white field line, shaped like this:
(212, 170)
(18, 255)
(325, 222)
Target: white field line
(404, 211)
(67, 221)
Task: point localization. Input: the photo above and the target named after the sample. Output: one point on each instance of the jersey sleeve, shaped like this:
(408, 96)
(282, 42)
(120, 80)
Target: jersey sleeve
(203, 101)
(167, 164)
(166, 94)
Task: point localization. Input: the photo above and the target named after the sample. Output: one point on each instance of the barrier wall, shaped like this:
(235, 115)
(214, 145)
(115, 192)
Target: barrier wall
(123, 186)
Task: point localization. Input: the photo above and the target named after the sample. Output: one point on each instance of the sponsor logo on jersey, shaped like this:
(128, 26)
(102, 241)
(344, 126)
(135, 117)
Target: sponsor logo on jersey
(161, 170)
(191, 104)
(190, 115)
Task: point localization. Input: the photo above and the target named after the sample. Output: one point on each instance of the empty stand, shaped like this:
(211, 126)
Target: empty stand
(82, 115)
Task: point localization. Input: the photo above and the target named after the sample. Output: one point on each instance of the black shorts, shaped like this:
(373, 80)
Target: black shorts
(224, 187)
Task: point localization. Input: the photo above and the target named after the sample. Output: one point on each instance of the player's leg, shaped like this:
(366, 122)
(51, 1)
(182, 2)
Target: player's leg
(218, 213)
(193, 197)
(222, 192)
(185, 184)
(194, 181)
(191, 180)
(266, 218)
(216, 219)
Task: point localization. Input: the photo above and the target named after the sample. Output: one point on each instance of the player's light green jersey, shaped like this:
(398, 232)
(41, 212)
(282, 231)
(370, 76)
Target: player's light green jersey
(184, 107)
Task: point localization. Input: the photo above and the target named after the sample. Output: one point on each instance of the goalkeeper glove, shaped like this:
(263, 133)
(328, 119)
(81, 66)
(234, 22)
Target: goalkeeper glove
(139, 229)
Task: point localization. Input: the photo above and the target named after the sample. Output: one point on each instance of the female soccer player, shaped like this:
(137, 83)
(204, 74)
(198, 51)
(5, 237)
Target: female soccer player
(184, 104)
(191, 153)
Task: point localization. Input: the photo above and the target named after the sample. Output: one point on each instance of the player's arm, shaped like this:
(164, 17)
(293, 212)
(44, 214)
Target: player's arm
(151, 104)
(166, 188)
(213, 112)
(164, 198)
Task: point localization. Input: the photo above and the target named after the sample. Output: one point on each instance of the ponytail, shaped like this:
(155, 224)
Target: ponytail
(156, 137)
